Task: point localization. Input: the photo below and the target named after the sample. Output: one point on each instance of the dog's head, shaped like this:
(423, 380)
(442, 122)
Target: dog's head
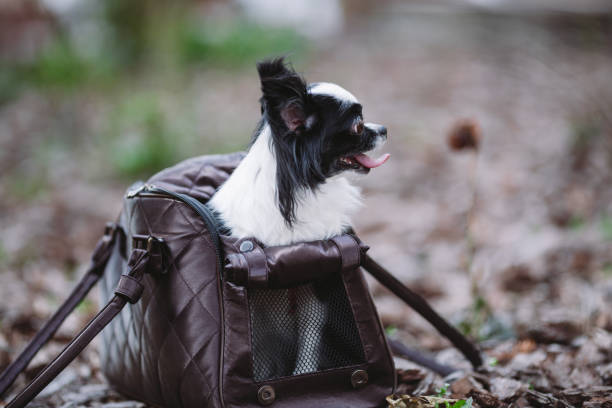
(317, 131)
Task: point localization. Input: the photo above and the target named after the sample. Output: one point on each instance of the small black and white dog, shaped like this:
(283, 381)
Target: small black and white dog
(292, 186)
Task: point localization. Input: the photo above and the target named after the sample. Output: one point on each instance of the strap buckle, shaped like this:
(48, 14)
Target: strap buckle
(157, 249)
(148, 242)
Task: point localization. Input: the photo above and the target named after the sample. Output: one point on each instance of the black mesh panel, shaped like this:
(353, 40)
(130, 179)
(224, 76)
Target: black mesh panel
(302, 330)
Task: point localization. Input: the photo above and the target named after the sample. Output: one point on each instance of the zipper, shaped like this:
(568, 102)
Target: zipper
(203, 211)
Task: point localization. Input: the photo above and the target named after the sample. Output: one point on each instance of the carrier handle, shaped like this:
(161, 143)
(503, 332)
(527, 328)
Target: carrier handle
(143, 259)
(420, 305)
(99, 260)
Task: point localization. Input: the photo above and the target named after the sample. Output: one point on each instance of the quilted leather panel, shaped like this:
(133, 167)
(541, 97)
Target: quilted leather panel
(166, 348)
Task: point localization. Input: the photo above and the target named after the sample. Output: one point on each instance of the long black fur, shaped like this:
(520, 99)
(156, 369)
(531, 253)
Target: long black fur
(298, 164)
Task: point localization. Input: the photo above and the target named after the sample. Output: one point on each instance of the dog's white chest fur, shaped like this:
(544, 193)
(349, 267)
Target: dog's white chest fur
(247, 202)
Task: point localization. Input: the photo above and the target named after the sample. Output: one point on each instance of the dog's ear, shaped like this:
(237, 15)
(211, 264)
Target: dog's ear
(284, 95)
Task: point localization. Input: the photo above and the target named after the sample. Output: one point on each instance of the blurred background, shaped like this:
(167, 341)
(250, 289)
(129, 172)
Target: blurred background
(509, 237)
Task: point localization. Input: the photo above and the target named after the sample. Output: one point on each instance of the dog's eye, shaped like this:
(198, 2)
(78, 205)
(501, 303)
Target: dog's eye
(358, 127)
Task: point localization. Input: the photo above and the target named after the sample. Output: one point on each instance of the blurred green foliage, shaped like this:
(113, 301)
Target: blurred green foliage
(141, 138)
(129, 24)
(9, 84)
(58, 65)
(87, 307)
(143, 141)
(443, 391)
(576, 222)
(480, 323)
(475, 318)
(142, 50)
(3, 255)
(27, 186)
(585, 133)
(606, 227)
(235, 44)
(140, 36)
(391, 330)
(31, 178)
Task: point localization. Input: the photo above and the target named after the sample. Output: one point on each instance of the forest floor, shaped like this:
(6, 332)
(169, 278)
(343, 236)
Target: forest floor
(511, 242)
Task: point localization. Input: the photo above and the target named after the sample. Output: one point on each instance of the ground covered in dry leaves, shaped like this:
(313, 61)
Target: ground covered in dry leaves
(511, 241)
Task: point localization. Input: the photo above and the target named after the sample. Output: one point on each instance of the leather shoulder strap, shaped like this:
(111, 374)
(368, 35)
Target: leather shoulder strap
(420, 305)
(96, 269)
(129, 289)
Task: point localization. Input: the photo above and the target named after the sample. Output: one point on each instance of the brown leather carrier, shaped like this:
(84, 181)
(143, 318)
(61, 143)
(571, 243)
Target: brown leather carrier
(196, 318)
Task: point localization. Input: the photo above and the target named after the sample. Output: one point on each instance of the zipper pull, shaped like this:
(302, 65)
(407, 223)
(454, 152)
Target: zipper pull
(135, 192)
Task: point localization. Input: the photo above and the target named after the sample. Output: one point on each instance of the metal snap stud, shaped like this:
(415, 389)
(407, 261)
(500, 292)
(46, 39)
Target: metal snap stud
(266, 395)
(246, 246)
(359, 378)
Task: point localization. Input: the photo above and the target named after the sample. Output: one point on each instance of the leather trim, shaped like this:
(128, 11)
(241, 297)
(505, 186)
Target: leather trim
(130, 288)
(257, 266)
(381, 369)
(350, 252)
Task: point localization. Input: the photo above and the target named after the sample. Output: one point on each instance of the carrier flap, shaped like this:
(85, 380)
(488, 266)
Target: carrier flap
(248, 263)
(198, 177)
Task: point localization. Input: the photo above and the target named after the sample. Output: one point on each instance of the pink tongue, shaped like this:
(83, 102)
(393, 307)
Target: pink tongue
(370, 163)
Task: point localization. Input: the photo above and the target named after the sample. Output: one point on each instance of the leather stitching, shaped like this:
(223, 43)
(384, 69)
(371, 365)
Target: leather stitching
(199, 173)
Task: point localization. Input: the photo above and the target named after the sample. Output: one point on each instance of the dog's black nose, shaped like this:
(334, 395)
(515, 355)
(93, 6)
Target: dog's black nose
(378, 129)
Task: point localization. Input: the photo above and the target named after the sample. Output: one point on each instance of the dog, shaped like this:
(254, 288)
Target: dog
(292, 186)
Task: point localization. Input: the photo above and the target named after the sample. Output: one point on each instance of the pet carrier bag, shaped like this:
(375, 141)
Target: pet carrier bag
(198, 319)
